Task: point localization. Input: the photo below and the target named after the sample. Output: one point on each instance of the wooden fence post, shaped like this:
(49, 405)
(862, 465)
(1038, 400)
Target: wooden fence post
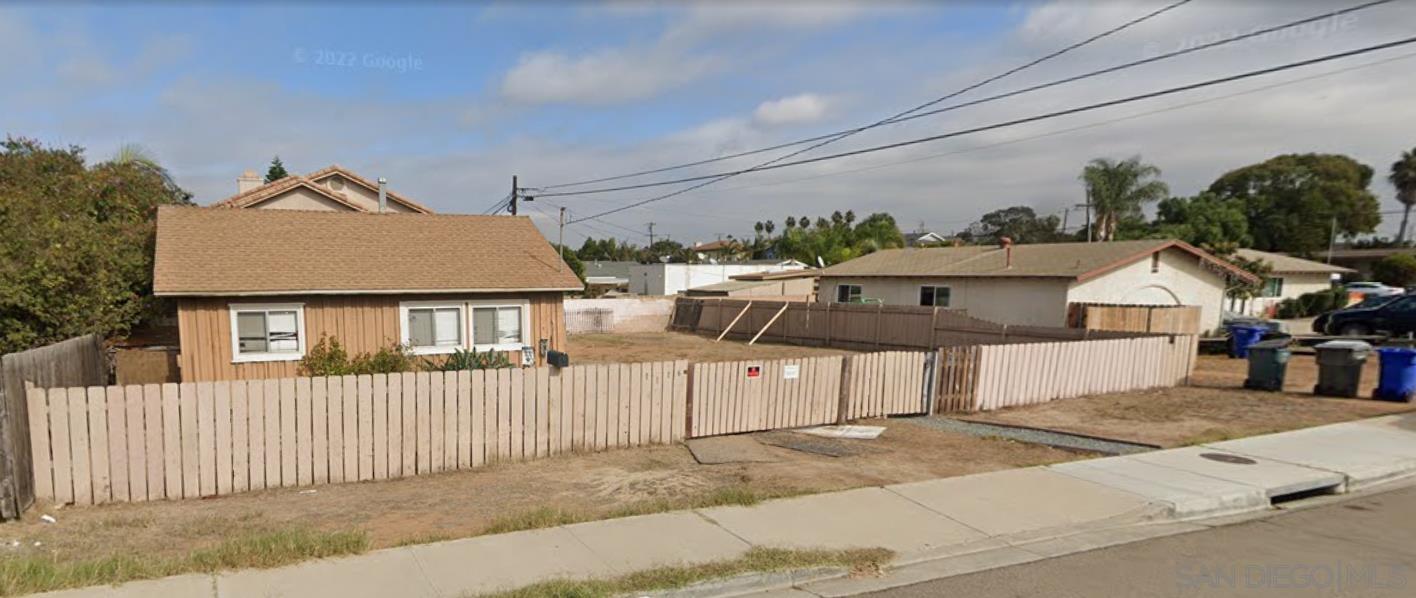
(844, 400)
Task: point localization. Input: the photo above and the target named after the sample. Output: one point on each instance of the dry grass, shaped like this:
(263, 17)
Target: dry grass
(868, 561)
(543, 517)
(43, 573)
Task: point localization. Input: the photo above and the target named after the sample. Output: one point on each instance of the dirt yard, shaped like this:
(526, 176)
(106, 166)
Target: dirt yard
(444, 506)
(663, 346)
(1215, 408)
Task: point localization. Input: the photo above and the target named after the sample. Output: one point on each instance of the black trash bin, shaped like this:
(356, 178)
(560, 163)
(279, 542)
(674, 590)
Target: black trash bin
(1268, 364)
(1340, 367)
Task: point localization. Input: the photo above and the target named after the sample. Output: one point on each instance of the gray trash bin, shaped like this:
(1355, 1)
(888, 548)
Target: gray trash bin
(1268, 364)
(1340, 367)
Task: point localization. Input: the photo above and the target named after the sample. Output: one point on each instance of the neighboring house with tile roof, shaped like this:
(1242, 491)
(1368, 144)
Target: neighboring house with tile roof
(1032, 284)
(330, 189)
(255, 289)
(1290, 277)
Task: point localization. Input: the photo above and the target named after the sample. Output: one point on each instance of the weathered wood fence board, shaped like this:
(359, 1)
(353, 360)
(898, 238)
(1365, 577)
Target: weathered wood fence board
(888, 383)
(861, 327)
(1015, 375)
(78, 361)
(780, 393)
(1161, 319)
(134, 443)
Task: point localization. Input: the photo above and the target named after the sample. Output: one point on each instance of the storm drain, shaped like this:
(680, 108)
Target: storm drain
(1289, 495)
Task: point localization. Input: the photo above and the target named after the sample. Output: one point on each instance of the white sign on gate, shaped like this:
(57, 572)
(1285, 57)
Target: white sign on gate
(791, 371)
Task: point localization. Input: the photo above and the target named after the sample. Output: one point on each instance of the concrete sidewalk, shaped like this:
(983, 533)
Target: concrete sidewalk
(1010, 516)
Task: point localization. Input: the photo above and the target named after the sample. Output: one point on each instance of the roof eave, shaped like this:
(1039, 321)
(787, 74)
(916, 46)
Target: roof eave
(209, 293)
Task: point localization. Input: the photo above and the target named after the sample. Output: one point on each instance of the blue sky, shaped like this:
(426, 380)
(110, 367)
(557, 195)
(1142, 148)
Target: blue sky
(563, 91)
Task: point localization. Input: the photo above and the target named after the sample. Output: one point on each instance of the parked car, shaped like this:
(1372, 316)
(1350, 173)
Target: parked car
(1370, 289)
(1389, 314)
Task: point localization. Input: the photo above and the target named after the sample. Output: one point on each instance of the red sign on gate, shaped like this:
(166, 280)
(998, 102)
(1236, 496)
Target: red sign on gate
(754, 371)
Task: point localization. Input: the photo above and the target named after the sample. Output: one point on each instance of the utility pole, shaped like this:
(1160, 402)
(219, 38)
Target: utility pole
(651, 234)
(560, 238)
(1088, 207)
(1065, 212)
(515, 194)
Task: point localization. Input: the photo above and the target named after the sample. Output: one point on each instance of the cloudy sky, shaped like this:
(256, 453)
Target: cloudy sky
(448, 101)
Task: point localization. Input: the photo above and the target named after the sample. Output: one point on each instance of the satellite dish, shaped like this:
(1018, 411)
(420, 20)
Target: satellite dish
(664, 259)
(713, 261)
(820, 262)
(701, 256)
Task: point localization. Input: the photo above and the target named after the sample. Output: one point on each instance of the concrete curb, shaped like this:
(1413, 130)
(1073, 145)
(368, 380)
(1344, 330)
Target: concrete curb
(753, 583)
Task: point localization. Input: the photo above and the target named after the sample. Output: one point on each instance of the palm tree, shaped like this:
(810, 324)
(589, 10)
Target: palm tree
(759, 227)
(1403, 177)
(1117, 189)
(791, 222)
(769, 226)
(133, 154)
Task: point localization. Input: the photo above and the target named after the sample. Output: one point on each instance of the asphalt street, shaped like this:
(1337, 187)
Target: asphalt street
(1364, 546)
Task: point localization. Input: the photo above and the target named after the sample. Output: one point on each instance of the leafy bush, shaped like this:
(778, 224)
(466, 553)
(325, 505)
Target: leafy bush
(469, 360)
(1396, 270)
(329, 358)
(1311, 304)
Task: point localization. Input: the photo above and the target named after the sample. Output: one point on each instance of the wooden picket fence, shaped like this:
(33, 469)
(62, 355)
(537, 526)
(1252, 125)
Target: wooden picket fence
(1166, 319)
(887, 383)
(1014, 375)
(958, 379)
(731, 397)
(134, 443)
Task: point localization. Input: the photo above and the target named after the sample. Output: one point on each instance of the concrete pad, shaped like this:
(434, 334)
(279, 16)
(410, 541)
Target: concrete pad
(718, 450)
(1189, 494)
(506, 561)
(391, 572)
(913, 574)
(180, 586)
(1021, 500)
(636, 543)
(861, 518)
(1276, 478)
(1365, 453)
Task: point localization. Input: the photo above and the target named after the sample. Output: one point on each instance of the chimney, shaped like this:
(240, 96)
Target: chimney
(383, 195)
(1007, 244)
(247, 181)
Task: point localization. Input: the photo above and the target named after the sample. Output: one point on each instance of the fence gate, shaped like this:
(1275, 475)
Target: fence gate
(746, 396)
(887, 383)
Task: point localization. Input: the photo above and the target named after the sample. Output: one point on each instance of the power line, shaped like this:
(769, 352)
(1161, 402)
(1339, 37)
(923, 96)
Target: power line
(1058, 132)
(1019, 121)
(844, 134)
(907, 116)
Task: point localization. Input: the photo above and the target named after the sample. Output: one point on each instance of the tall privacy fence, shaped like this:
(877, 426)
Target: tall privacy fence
(1164, 319)
(132, 443)
(859, 327)
(78, 361)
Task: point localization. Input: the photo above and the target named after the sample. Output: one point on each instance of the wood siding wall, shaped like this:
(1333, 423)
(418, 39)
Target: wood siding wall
(136, 443)
(360, 322)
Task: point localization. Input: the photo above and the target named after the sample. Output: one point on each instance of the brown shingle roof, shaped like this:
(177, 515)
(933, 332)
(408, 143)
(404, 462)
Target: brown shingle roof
(1287, 264)
(260, 252)
(1078, 261)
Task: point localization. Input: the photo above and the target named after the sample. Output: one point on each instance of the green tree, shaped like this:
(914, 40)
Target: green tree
(1403, 177)
(1019, 223)
(1291, 201)
(1117, 190)
(1396, 270)
(76, 255)
(1204, 220)
(276, 170)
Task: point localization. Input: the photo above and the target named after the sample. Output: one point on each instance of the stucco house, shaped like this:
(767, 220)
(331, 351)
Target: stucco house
(330, 189)
(1032, 284)
(255, 289)
(1289, 278)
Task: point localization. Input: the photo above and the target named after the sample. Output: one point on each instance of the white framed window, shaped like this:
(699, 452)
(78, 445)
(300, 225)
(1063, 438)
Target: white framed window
(1273, 287)
(848, 293)
(432, 327)
(267, 331)
(934, 296)
(499, 325)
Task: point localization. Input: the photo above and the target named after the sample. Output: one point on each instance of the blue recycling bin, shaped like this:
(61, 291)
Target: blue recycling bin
(1398, 376)
(1243, 336)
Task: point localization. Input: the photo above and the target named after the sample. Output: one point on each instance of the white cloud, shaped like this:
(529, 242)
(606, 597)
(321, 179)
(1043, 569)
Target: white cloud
(795, 110)
(602, 77)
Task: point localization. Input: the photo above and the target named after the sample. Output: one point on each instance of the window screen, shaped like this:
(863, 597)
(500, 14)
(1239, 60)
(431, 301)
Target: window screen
(496, 325)
(262, 331)
(435, 327)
